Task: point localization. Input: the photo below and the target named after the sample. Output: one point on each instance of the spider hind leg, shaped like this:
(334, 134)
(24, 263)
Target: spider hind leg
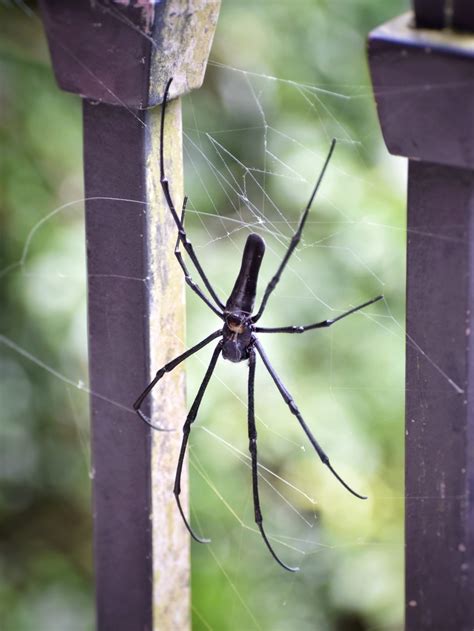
(186, 431)
(165, 369)
(295, 411)
(253, 452)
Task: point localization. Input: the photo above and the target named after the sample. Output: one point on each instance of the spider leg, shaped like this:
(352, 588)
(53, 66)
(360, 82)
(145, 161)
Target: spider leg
(168, 368)
(295, 411)
(186, 431)
(253, 453)
(187, 277)
(317, 325)
(296, 237)
(166, 191)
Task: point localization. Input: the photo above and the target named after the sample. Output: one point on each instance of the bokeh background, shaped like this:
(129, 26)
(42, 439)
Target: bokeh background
(285, 78)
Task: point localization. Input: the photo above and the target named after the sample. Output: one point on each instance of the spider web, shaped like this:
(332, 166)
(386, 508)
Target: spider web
(348, 380)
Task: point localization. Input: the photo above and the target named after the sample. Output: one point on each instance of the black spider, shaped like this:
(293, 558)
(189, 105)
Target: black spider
(238, 337)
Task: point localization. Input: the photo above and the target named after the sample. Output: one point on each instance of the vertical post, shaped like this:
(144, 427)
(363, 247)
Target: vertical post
(429, 13)
(424, 88)
(118, 56)
(463, 15)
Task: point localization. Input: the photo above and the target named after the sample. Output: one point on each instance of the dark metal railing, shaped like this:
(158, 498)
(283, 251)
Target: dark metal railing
(118, 57)
(423, 78)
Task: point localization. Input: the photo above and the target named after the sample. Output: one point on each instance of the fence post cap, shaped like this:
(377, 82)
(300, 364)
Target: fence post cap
(402, 30)
(424, 89)
(122, 52)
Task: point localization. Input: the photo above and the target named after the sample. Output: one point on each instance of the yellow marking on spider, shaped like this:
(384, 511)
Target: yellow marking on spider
(236, 328)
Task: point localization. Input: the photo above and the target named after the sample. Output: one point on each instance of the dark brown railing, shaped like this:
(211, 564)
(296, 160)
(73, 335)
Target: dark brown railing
(423, 78)
(118, 57)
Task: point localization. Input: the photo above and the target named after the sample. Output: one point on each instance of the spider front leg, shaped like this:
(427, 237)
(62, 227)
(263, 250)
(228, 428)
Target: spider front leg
(187, 277)
(295, 411)
(186, 431)
(253, 453)
(317, 325)
(169, 200)
(296, 237)
(168, 368)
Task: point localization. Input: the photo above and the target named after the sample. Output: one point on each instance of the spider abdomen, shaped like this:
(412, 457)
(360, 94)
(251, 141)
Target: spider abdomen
(243, 294)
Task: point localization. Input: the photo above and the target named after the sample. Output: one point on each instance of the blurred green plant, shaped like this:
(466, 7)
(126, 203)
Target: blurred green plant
(348, 380)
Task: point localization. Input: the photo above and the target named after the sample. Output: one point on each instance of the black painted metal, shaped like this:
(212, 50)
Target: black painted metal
(425, 95)
(429, 13)
(123, 52)
(424, 89)
(119, 54)
(463, 15)
(439, 417)
(100, 49)
(119, 365)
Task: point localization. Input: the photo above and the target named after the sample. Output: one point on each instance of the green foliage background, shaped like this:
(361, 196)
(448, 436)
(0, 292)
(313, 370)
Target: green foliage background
(348, 380)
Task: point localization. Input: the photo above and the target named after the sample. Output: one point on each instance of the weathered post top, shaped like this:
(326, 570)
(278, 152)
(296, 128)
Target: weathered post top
(123, 52)
(424, 89)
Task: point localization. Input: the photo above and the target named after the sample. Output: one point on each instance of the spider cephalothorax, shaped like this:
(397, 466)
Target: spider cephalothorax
(238, 337)
(237, 340)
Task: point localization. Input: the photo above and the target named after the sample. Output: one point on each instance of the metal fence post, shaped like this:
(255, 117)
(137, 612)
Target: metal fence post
(118, 56)
(424, 88)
